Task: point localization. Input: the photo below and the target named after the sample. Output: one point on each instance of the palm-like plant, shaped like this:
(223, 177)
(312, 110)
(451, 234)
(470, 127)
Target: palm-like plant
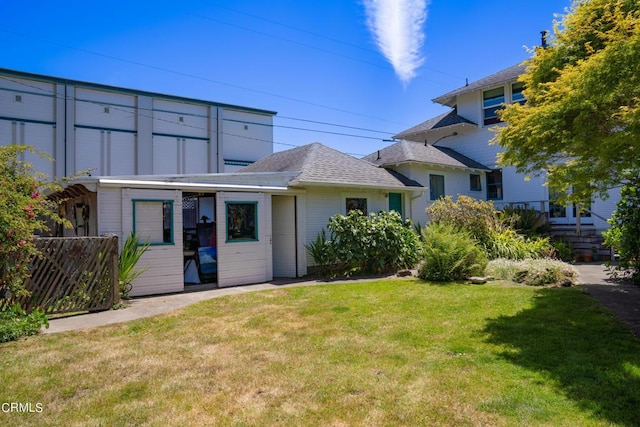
(131, 253)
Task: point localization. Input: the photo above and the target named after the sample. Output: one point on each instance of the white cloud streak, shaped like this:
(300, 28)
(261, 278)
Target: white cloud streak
(397, 28)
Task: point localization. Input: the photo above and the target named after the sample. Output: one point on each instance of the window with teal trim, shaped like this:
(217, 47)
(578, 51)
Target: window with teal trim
(153, 221)
(242, 221)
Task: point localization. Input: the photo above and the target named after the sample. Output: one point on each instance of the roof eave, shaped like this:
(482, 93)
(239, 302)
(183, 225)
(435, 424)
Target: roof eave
(316, 184)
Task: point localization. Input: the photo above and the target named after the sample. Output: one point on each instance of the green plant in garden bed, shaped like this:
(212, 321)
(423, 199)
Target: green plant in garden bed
(375, 243)
(16, 323)
(449, 254)
(131, 253)
(533, 272)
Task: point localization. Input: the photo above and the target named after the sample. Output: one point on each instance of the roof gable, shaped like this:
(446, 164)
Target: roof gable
(448, 119)
(509, 74)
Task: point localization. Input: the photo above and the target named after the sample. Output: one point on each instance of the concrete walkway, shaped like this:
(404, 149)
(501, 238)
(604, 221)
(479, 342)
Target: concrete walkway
(622, 299)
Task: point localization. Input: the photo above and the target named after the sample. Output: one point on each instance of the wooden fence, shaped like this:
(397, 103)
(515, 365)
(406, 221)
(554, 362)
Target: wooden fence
(73, 274)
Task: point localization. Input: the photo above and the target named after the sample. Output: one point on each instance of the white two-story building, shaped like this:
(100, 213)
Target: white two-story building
(425, 152)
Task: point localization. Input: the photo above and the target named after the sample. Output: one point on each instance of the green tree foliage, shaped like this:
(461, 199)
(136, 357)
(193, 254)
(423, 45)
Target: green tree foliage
(581, 121)
(450, 254)
(624, 234)
(24, 212)
(357, 243)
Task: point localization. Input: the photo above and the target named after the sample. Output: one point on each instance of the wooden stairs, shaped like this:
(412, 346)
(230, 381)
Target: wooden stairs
(589, 245)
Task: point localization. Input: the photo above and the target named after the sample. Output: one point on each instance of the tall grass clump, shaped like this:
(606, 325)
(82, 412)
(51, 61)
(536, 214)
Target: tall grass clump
(449, 254)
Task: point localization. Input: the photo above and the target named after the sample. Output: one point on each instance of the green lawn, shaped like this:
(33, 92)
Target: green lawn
(391, 353)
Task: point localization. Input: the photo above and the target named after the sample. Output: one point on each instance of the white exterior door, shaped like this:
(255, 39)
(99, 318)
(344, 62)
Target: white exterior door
(284, 236)
(243, 222)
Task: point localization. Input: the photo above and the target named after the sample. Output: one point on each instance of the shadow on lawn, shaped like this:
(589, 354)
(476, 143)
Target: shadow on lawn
(567, 336)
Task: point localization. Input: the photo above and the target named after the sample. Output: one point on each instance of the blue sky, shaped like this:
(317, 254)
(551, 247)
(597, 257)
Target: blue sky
(312, 62)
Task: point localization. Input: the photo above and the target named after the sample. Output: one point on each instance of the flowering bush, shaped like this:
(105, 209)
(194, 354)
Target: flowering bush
(24, 212)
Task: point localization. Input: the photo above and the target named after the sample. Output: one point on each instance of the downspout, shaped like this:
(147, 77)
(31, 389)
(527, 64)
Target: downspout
(412, 198)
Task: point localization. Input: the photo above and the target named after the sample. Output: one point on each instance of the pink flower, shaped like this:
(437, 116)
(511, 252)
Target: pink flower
(35, 194)
(22, 243)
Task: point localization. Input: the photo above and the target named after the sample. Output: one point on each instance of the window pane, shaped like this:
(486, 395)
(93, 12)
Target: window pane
(474, 182)
(516, 93)
(493, 97)
(242, 221)
(494, 185)
(356, 203)
(153, 221)
(436, 186)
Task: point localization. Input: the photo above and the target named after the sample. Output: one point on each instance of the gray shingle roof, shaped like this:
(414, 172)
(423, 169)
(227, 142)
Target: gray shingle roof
(410, 151)
(450, 118)
(319, 164)
(503, 76)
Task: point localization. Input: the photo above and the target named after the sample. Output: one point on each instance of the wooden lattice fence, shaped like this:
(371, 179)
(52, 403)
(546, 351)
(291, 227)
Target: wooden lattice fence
(73, 274)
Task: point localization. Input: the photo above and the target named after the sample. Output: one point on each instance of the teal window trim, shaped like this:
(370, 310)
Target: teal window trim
(255, 221)
(171, 241)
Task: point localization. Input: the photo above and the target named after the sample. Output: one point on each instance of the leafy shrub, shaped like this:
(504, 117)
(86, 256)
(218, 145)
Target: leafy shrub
(449, 254)
(533, 272)
(477, 217)
(24, 211)
(624, 234)
(16, 323)
(375, 243)
(131, 253)
(563, 250)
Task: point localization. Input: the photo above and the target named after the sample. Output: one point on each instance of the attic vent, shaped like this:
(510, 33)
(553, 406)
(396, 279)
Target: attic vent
(106, 110)
(18, 98)
(181, 119)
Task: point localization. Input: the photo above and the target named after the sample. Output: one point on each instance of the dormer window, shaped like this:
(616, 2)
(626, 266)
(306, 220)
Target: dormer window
(492, 101)
(516, 93)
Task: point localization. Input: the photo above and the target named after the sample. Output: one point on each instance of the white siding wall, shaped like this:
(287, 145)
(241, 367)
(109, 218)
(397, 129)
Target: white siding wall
(105, 109)
(37, 100)
(105, 152)
(164, 262)
(180, 118)
(246, 136)
(242, 262)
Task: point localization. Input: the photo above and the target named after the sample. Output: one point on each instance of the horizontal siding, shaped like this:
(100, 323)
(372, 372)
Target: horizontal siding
(164, 272)
(244, 262)
(165, 262)
(110, 212)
